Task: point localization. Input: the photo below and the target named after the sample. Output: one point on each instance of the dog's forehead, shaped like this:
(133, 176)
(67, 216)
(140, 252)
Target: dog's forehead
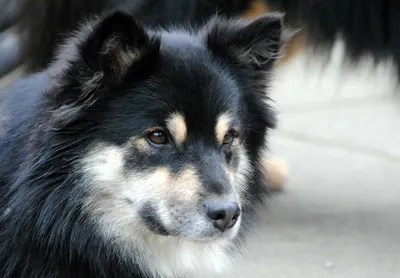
(188, 90)
(190, 81)
(199, 97)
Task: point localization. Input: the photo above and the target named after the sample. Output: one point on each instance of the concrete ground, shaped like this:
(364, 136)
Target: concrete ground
(339, 216)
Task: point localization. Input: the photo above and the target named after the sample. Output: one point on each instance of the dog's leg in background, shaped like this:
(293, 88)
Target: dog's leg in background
(276, 172)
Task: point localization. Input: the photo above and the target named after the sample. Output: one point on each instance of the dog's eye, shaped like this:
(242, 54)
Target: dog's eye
(229, 137)
(158, 137)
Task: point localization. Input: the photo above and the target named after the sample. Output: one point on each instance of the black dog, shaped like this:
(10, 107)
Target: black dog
(137, 152)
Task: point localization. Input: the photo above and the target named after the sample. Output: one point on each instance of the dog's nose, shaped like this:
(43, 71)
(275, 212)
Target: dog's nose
(224, 214)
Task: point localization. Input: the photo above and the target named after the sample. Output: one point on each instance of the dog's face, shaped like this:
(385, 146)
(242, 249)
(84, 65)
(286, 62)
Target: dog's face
(173, 123)
(170, 156)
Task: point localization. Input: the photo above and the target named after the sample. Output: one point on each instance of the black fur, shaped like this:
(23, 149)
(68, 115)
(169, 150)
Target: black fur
(54, 116)
(368, 27)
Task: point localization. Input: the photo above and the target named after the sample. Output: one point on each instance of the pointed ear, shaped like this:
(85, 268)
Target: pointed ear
(256, 43)
(116, 43)
(102, 54)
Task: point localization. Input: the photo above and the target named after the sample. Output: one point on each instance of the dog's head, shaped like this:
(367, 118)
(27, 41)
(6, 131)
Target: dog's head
(173, 123)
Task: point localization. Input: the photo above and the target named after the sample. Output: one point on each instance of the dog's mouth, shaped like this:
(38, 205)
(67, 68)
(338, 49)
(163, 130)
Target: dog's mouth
(206, 235)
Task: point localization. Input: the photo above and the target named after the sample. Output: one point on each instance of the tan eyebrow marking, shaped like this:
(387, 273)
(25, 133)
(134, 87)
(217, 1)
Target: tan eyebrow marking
(224, 122)
(177, 127)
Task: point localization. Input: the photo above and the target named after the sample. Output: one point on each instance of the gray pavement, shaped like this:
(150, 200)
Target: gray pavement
(339, 215)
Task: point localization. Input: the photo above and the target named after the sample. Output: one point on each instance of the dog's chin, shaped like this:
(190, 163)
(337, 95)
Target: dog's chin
(207, 235)
(218, 236)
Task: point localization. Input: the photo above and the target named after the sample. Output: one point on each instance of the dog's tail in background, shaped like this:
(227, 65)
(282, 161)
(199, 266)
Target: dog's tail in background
(366, 28)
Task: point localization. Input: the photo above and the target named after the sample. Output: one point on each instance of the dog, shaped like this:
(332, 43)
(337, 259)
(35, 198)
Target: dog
(138, 151)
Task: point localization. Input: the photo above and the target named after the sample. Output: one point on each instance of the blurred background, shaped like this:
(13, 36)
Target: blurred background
(336, 211)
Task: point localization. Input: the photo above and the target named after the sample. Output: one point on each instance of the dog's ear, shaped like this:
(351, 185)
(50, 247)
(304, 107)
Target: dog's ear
(106, 51)
(116, 43)
(254, 43)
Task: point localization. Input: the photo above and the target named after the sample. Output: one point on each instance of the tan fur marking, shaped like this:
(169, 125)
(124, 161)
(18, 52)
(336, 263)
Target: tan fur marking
(186, 184)
(163, 178)
(222, 126)
(177, 126)
(141, 145)
(257, 8)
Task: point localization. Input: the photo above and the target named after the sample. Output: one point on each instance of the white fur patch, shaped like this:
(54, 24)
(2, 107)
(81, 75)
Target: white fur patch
(173, 257)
